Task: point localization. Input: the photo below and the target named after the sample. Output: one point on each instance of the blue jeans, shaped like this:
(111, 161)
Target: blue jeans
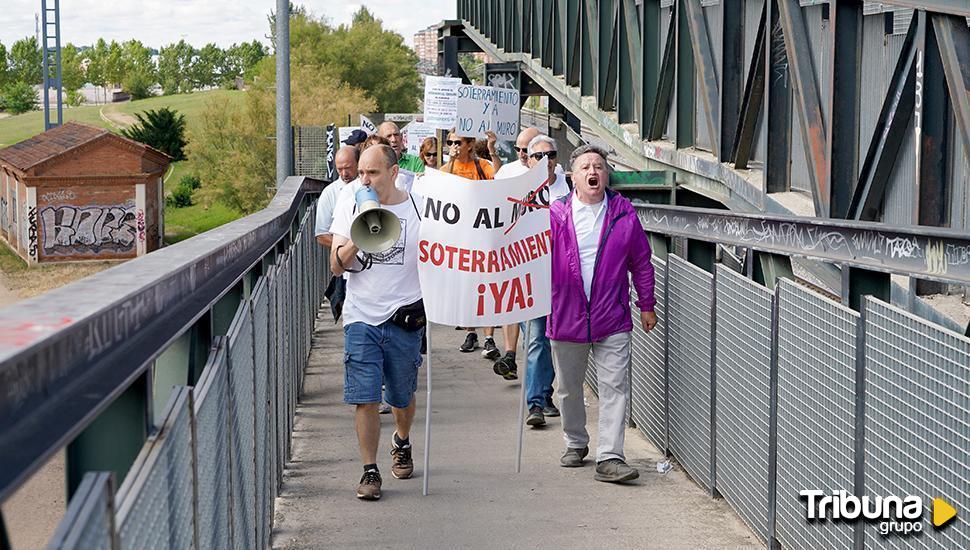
(539, 371)
(383, 354)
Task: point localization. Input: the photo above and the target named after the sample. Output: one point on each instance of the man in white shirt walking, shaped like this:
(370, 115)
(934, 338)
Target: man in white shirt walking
(383, 318)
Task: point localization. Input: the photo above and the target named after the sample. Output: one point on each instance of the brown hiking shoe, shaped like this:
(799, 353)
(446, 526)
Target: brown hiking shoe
(403, 466)
(370, 486)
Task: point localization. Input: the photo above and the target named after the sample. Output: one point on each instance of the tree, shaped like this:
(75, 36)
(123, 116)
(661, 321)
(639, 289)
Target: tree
(205, 67)
(138, 69)
(365, 56)
(174, 64)
(4, 72)
(163, 129)
(240, 60)
(25, 61)
(97, 67)
(19, 97)
(72, 72)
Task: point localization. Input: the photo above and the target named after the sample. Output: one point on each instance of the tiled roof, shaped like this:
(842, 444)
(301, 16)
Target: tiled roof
(45, 146)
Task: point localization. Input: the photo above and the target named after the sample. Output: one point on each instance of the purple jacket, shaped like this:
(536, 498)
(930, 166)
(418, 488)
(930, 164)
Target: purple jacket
(623, 248)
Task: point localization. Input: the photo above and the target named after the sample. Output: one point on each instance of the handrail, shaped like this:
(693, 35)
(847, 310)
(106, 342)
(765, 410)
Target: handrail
(934, 253)
(66, 355)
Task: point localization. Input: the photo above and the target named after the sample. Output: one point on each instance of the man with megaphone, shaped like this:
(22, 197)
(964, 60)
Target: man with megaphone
(375, 241)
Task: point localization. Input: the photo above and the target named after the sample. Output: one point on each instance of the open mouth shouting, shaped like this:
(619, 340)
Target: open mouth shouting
(593, 182)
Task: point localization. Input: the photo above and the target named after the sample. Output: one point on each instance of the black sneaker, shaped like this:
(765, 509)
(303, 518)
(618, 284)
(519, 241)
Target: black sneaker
(535, 417)
(470, 344)
(506, 367)
(370, 485)
(550, 410)
(489, 350)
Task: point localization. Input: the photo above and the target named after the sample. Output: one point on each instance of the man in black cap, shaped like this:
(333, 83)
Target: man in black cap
(356, 138)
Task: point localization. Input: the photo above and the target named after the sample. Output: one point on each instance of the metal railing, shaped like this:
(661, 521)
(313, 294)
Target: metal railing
(228, 315)
(762, 393)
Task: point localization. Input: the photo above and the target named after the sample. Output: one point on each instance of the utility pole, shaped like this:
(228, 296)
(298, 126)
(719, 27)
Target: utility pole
(284, 133)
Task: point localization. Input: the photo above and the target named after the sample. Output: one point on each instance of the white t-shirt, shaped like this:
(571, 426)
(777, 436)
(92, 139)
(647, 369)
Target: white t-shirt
(374, 294)
(404, 181)
(588, 222)
(325, 205)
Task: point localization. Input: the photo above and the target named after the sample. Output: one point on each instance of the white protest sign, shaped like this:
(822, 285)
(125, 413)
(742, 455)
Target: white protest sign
(414, 135)
(483, 255)
(402, 117)
(441, 101)
(482, 108)
(367, 126)
(345, 131)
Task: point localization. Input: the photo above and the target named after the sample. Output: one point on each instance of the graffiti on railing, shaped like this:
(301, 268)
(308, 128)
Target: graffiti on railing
(887, 249)
(85, 230)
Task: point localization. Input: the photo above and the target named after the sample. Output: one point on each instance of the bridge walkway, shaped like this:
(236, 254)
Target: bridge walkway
(476, 500)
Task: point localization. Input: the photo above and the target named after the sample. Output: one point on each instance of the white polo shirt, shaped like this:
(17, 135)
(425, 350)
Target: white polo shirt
(588, 221)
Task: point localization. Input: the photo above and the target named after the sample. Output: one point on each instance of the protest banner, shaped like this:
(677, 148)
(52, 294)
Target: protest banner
(414, 135)
(441, 101)
(484, 108)
(483, 250)
(367, 126)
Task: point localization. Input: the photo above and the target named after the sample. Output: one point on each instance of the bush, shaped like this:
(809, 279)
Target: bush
(163, 129)
(74, 98)
(182, 194)
(19, 97)
(138, 83)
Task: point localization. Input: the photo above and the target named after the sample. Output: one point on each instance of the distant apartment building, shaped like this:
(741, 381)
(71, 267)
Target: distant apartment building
(426, 45)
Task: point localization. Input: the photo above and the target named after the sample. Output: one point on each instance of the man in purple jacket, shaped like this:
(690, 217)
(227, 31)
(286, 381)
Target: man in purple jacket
(596, 241)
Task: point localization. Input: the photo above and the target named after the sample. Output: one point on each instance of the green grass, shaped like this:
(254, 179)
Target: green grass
(20, 127)
(10, 262)
(182, 223)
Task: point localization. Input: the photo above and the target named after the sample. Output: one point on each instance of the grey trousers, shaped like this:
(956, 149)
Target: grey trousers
(611, 358)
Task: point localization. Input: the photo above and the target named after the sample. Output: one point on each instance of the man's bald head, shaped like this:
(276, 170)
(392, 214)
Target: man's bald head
(346, 162)
(389, 131)
(378, 168)
(522, 143)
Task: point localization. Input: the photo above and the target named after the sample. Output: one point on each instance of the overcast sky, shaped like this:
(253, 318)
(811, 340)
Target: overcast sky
(160, 22)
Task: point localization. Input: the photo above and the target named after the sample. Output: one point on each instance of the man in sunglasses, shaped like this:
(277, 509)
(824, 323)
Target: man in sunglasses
(513, 169)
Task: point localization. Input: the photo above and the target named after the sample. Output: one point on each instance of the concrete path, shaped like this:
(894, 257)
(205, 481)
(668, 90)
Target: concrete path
(476, 500)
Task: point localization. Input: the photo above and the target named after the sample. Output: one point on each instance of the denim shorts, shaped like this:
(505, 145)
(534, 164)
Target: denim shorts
(386, 355)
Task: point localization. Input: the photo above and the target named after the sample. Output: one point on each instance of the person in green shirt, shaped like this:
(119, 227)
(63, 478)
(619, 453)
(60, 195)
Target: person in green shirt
(389, 131)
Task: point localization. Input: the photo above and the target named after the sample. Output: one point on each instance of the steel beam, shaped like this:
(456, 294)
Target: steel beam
(606, 91)
(751, 104)
(952, 7)
(284, 130)
(665, 84)
(933, 253)
(807, 102)
(650, 56)
(589, 74)
(845, 97)
(732, 67)
(574, 22)
(778, 109)
(685, 79)
(707, 70)
(953, 38)
(889, 133)
(559, 51)
(628, 66)
(547, 28)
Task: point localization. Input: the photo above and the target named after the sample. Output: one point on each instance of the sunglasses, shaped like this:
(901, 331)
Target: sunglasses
(538, 156)
(522, 149)
(429, 155)
(450, 143)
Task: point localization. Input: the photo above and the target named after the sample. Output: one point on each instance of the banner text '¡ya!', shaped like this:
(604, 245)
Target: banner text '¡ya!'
(470, 260)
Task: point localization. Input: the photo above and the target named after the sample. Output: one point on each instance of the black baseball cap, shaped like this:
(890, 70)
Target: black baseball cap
(356, 137)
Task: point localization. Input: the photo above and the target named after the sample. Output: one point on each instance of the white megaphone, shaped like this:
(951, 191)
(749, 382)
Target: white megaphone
(374, 229)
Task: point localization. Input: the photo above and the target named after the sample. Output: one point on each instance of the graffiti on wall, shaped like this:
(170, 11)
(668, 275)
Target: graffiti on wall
(32, 232)
(70, 230)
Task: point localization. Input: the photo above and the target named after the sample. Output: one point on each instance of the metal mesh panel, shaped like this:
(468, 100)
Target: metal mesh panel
(917, 419)
(689, 373)
(243, 456)
(260, 307)
(310, 151)
(212, 450)
(816, 412)
(743, 340)
(87, 521)
(157, 510)
(649, 376)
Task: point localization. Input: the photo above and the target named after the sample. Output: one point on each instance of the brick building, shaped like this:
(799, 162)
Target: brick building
(426, 45)
(77, 192)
